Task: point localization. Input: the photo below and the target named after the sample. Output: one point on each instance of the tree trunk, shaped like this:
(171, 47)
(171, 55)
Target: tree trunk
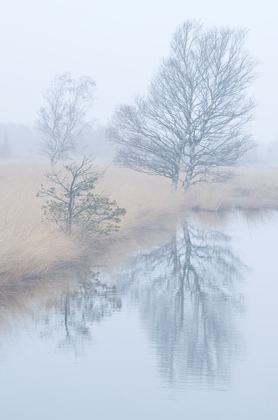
(190, 168)
(187, 179)
(70, 208)
(174, 184)
(52, 161)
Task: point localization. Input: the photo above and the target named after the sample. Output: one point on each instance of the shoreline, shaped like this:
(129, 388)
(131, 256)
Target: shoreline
(31, 249)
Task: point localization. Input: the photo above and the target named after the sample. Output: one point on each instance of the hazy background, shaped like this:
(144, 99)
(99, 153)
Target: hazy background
(119, 44)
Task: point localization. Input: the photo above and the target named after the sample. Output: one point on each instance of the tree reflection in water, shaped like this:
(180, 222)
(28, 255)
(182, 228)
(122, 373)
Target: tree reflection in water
(188, 294)
(187, 291)
(71, 317)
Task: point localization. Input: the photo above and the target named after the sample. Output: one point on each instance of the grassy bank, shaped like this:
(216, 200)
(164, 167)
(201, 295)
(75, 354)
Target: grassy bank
(28, 247)
(31, 249)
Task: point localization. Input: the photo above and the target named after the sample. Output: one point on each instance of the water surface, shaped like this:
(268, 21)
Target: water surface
(184, 329)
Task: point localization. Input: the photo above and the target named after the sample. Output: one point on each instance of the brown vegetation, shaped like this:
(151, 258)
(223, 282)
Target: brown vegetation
(28, 247)
(31, 249)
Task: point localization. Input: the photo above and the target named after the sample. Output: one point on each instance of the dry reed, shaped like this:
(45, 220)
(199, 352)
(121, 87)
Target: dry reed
(32, 249)
(28, 247)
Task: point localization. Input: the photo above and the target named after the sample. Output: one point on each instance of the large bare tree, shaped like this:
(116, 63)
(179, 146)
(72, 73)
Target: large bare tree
(62, 120)
(192, 125)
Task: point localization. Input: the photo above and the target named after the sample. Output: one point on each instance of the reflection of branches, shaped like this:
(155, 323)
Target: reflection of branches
(186, 290)
(75, 312)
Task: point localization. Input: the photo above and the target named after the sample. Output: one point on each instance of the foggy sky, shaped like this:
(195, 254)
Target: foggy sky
(119, 43)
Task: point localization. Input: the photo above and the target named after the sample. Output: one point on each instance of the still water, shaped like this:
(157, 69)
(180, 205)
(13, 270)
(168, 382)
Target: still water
(183, 329)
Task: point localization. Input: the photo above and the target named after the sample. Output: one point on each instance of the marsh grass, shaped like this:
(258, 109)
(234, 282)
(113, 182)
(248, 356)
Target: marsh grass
(31, 249)
(28, 247)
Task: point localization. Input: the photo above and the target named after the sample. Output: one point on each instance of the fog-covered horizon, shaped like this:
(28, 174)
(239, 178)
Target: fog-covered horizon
(120, 45)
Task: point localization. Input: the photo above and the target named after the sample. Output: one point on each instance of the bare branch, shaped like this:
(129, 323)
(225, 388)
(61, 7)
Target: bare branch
(192, 126)
(62, 120)
(74, 206)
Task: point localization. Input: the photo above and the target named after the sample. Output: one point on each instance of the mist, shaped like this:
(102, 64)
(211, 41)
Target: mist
(119, 45)
(128, 291)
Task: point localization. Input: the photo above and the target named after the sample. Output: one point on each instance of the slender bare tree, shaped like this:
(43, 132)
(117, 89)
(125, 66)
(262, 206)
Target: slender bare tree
(74, 206)
(5, 146)
(192, 125)
(62, 120)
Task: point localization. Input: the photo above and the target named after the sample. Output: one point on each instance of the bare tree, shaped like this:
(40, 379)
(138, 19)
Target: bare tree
(62, 120)
(192, 126)
(5, 147)
(74, 206)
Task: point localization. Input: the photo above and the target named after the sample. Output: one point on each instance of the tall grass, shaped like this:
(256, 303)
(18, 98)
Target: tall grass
(30, 248)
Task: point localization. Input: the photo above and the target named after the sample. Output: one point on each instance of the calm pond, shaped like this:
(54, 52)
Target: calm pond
(185, 329)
